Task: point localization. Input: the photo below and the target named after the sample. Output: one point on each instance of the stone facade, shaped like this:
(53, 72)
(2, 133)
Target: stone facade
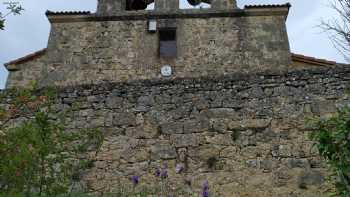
(243, 133)
(233, 111)
(90, 49)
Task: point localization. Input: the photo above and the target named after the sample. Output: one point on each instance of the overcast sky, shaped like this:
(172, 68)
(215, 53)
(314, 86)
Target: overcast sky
(29, 32)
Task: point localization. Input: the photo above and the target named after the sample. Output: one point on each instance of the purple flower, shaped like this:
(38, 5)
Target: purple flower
(206, 186)
(170, 195)
(205, 192)
(179, 168)
(164, 173)
(135, 179)
(157, 172)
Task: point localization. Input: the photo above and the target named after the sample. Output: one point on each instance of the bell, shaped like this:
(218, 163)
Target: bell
(138, 4)
(194, 2)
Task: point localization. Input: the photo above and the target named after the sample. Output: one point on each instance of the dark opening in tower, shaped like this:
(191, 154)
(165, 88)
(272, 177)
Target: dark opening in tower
(167, 43)
(139, 4)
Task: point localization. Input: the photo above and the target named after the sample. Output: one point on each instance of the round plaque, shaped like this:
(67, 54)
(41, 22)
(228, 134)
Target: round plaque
(166, 71)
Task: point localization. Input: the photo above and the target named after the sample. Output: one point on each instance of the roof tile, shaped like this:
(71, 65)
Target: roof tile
(288, 5)
(48, 13)
(313, 60)
(26, 58)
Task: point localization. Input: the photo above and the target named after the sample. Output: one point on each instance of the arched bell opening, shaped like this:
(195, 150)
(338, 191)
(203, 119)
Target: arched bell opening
(151, 6)
(195, 4)
(139, 4)
(198, 2)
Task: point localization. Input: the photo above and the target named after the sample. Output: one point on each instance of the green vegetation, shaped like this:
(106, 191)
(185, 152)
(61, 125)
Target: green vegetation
(333, 143)
(38, 156)
(13, 8)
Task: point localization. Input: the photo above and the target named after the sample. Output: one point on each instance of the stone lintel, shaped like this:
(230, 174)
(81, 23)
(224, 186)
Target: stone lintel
(144, 15)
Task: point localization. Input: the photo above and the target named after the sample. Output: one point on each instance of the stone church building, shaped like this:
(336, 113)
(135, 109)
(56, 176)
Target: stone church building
(215, 90)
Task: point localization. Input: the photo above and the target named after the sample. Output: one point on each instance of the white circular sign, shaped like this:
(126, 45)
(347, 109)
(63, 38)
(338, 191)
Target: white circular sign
(166, 71)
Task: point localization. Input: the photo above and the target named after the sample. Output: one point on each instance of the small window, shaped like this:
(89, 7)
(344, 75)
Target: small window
(167, 43)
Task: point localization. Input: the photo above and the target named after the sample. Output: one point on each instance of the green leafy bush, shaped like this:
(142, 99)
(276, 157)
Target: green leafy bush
(333, 143)
(39, 157)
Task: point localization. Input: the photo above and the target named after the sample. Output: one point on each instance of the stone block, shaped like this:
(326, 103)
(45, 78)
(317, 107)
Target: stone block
(163, 151)
(135, 155)
(145, 101)
(203, 153)
(252, 163)
(201, 103)
(219, 125)
(227, 113)
(285, 150)
(97, 122)
(196, 126)
(220, 139)
(298, 163)
(124, 119)
(281, 177)
(324, 107)
(185, 140)
(114, 102)
(249, 124)
(310, 178)
(229, 152)
(94, 99)
(267, 165)
(145, 131)
(172, 128)
(86, 112)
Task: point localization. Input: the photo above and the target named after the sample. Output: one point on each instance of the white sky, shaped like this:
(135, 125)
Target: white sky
(29, 32)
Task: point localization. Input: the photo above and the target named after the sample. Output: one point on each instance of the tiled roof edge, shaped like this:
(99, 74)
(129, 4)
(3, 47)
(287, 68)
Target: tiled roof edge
(26, 58)
(313, 60)
(48, 13)
(288, 5)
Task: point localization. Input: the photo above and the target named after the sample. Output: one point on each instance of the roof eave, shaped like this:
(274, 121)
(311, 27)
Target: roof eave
(13, 65)
(315, 61)
(67, 17)
(285, 7)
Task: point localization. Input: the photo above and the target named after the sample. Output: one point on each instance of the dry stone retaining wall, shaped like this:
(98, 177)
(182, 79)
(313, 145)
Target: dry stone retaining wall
(245, 134)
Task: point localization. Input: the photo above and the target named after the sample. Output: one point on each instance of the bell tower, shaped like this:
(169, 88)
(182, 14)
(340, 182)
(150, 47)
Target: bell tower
(113, 7)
